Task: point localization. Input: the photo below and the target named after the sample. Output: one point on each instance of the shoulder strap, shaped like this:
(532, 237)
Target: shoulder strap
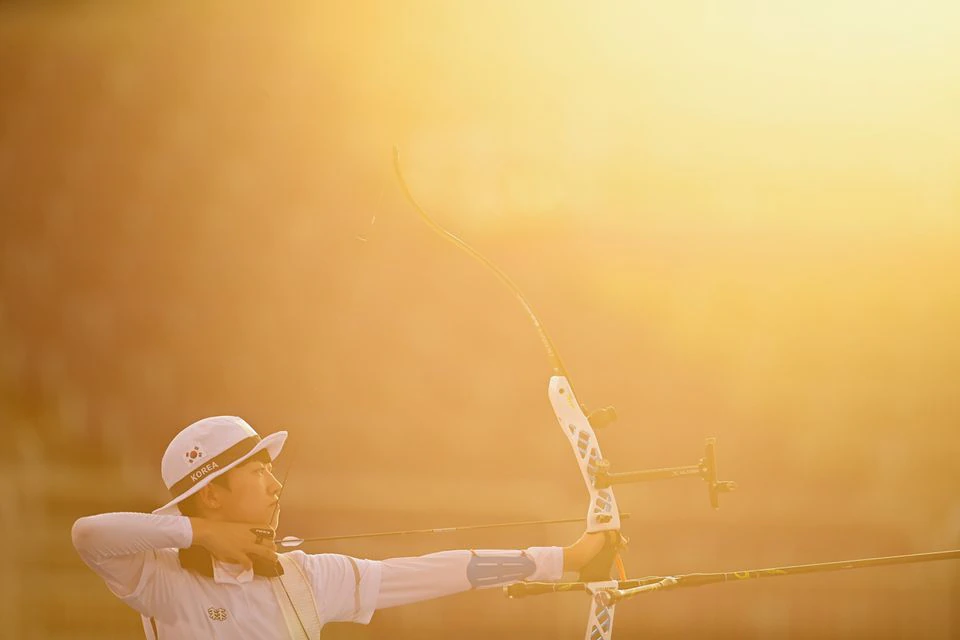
(150, 627)
(297, 602)
(356, 588)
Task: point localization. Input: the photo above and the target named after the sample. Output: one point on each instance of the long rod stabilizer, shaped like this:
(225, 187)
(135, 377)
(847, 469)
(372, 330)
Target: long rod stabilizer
(612, 596)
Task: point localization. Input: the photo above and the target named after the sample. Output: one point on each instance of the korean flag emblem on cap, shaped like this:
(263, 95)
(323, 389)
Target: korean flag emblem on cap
(195, 454)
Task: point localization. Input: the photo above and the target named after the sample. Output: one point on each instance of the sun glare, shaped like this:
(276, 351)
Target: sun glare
(686, 109)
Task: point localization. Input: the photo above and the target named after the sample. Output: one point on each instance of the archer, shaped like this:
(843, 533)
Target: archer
(205, 565)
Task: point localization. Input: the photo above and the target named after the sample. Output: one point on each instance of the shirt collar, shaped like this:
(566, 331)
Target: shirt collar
(199, 560)
(229, 573)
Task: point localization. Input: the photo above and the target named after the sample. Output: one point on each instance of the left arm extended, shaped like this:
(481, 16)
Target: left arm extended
(350, 590)
(408, 580)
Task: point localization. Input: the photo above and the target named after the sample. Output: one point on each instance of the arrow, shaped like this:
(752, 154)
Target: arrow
(292, 542)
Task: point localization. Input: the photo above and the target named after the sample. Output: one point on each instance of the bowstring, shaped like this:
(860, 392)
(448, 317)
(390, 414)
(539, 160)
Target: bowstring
(276, 567)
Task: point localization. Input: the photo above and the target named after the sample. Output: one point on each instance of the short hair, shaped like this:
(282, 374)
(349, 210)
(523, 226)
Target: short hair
(190, 506)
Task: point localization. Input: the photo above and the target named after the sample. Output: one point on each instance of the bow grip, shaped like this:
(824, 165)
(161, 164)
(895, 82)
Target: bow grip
(598, 569)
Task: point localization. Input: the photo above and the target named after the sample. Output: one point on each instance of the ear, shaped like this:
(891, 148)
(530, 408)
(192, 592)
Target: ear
(209, 497)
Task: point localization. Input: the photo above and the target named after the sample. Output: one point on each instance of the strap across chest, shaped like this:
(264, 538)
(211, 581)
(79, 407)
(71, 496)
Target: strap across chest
(295, 596)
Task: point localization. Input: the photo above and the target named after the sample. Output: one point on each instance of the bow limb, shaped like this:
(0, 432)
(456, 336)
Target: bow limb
(552, 355)
(602, 512)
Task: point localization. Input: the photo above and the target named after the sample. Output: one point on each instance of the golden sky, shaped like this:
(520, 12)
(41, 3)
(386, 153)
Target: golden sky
(736, 218)
(734, 114)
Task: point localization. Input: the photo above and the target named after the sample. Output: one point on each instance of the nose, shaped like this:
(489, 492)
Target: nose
(275, 485)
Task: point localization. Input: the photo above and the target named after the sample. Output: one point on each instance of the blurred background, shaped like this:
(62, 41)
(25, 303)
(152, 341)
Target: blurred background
(737, 219)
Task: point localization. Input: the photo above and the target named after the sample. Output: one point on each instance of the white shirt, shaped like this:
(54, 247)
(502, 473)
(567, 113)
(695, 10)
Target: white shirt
(135, 554)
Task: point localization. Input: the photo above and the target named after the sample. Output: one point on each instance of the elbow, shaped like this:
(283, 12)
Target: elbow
(83, 532)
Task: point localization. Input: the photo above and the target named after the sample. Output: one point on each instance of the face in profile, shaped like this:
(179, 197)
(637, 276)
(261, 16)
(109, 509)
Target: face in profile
(251, 494)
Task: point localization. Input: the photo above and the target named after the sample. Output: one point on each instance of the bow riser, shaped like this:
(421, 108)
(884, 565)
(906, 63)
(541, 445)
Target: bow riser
(602, 512)
(600, 621)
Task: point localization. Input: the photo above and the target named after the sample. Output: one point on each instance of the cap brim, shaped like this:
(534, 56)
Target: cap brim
(272, 443)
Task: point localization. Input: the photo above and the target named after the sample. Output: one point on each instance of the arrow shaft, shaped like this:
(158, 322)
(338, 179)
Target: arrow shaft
(473, 527)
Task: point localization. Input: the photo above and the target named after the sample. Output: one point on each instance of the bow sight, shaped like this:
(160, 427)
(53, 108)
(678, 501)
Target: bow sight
(706, 469)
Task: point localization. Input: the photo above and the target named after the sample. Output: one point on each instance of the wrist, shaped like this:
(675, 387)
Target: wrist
(572, 558)
(585, 550)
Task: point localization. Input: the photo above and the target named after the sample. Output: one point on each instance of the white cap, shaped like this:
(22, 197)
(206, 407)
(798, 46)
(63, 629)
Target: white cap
(209, 448)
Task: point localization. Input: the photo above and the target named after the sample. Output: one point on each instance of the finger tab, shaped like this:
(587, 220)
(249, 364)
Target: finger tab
(262, 533)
